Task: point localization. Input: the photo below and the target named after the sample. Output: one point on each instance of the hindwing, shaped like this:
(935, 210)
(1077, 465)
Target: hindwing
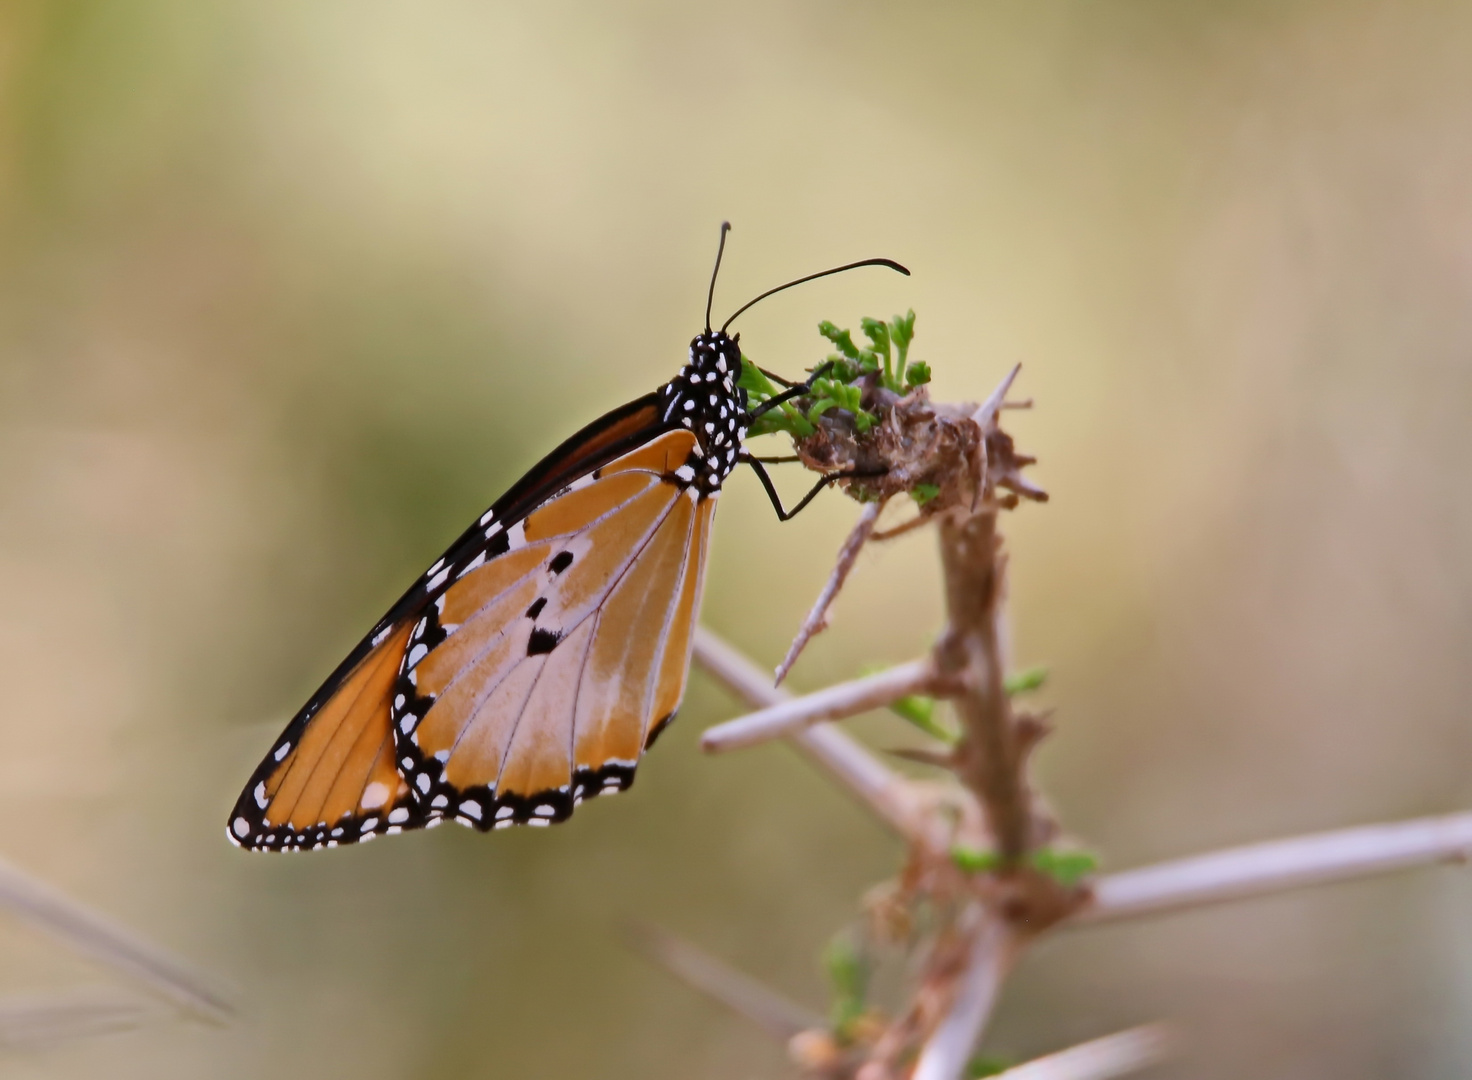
(541, 675)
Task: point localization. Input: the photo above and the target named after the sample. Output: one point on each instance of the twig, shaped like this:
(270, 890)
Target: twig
(1120, 1054)
(831, 703)
(89, 932)
(1278, 865)
(903, 527)
(881, 789)
(817, 621)
(769, 1010)
(950, 1045)
(990, 755)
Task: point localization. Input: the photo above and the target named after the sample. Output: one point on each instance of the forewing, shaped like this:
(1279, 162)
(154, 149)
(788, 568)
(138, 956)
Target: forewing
(541, 674)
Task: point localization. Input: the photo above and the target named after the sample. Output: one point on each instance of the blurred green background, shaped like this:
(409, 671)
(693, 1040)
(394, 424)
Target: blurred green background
(290, 292)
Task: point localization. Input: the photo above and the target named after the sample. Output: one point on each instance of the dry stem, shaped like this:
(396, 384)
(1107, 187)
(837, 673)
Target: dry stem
(831, 703)
(1120, 1054)
(817, 620)
(1278, 865)
(995, 915)
(994, 949)
(878, 787)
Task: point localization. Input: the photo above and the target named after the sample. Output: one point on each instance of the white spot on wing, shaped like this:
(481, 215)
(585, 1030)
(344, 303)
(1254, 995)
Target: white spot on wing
(472, 564)
(282, 751)
(374, 795)
(241, 827)
(438, 580)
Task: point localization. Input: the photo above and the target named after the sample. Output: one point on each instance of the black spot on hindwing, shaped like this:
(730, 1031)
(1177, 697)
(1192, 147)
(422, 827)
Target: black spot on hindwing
(542, 641)
(536, 609)
(560, 562)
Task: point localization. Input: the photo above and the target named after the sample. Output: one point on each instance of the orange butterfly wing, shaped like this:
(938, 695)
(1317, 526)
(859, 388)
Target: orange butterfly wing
(610, 500)
(542, 674)
(332, 780)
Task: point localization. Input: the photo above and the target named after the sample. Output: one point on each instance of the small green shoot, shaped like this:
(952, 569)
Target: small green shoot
(920, 711)
(785, 417)
(974, 860)
(1023, 682)
(923, 493)
(1067, 868)
(979, 1067)
(838, 387)
(848, 973)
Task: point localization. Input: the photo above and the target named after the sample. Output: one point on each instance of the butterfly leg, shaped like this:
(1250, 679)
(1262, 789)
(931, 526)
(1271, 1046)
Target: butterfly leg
(778, 378)
(823, 481)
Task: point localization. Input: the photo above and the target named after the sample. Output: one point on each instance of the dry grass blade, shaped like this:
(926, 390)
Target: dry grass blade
(817, 619)
(88, 932)
(769, 1010)
(1120, 1054)
(42, 1022)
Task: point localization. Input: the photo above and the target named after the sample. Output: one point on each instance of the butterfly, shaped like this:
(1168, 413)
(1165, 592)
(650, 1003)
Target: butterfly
(535, 661)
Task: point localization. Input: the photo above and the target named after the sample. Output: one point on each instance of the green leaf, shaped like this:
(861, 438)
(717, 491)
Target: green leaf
(979, 1067)
(878, 334)
(1067, 868)
(923, 493)
(848, 973)
(1023, 681)
(918, 374)
(785, 418)
(902, 330)
(974, 860)
(920, 711)
(841, 338)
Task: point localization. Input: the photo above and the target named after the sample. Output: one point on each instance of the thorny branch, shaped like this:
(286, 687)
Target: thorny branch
(984, 917)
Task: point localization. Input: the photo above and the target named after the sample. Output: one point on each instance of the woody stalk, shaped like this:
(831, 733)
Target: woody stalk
(986, 859)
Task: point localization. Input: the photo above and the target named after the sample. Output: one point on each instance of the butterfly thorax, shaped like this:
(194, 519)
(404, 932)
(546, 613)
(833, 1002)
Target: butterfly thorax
(704, 398)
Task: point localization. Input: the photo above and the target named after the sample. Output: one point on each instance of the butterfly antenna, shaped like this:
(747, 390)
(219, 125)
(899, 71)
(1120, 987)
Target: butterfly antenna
(812, 277)
(711, 295)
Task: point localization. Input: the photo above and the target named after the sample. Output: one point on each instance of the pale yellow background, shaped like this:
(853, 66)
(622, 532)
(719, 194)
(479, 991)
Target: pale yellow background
(290, 291)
